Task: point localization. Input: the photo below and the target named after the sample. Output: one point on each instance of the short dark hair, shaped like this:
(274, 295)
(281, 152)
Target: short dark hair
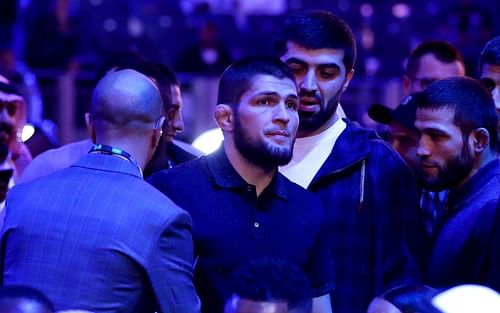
(471, 102)
(491, 53)
(273, 280)
(442, 50)
(318, 29)
(14, 292)
(239, 76)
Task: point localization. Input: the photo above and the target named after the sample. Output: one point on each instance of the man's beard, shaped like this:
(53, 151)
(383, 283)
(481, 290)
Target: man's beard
(457, 169)
(258, 152)
(312, 121)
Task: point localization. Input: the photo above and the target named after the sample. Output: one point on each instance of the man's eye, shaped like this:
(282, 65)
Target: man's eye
(291, 105)
(406, 141)
(327, 74)
(264, 101)
(436, 137)
(296, 68)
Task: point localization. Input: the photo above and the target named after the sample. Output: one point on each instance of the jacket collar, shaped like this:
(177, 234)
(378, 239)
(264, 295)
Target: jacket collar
(225, 175)
(350, 148)
(474, 184)
(108, 163)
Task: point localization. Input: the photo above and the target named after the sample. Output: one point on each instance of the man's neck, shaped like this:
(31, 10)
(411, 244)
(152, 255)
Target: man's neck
(486, 157)
(253, 174)
(308, 133)
(137, 149)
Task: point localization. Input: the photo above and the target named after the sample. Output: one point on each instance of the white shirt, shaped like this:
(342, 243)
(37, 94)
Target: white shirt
(309, 154)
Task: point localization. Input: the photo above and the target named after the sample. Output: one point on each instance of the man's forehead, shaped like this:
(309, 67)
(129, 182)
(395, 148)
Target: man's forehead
(436, 117)
(432, 67)
(296, 51)
(269, 83)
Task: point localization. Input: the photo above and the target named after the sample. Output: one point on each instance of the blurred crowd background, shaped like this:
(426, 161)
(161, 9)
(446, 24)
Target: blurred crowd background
(52, 48)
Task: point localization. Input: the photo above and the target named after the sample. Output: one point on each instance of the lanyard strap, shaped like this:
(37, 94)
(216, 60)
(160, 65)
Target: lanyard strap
(104, 149)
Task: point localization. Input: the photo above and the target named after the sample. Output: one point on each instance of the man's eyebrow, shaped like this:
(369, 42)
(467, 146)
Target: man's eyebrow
(329, 65)
(274, 94)
(266, 93)
(435, 131)
(295, 60)
(322, 65)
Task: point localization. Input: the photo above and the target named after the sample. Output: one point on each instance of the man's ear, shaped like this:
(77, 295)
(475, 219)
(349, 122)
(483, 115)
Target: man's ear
(90, 126)
(224, 117)
(349, 76)
(158, 131)
(406, 85)
(480, 139)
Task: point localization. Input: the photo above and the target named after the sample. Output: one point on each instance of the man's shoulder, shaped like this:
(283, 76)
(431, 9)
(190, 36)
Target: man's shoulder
(360, 137)
(70, 151)
(55, 159)
(183, 176)
(357, 143)
(110, 191)
(182, 170)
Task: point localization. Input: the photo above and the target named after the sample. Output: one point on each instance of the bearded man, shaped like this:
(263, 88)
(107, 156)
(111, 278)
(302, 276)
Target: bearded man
(367, 190)
(457, 122)
(242, 207)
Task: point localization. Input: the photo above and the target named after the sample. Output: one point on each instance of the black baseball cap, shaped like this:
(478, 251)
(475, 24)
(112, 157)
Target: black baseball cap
(403, 114)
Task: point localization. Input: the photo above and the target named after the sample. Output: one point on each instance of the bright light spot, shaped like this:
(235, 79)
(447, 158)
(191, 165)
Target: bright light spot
(366, 10)
(28, 132)
(110, 25)
(372, 65)
(209, 141)
(96, 2)
(401, 10)
(367, 38)
(135, 27)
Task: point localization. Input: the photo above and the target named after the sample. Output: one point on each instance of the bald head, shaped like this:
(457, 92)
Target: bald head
(125, 101)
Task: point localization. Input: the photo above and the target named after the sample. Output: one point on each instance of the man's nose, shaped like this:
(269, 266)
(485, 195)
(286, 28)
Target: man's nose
(178, 123)
(423, 149)
(175, 120)
(309, 83)
(281, 113)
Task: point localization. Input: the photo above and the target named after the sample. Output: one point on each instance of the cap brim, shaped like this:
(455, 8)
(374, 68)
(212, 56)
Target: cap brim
(380, 113)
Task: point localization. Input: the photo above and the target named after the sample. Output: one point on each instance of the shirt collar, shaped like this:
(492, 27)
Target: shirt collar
(226, 176)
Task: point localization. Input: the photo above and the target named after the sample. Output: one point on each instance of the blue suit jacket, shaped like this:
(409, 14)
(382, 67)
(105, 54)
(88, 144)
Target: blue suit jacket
(95, 236)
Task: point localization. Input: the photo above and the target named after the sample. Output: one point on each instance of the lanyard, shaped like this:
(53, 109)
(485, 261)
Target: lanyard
(104, 149)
